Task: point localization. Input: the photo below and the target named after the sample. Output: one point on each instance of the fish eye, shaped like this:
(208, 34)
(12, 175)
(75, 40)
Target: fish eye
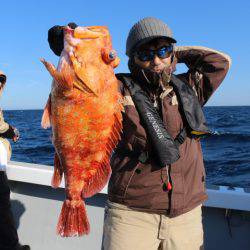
(112, 55)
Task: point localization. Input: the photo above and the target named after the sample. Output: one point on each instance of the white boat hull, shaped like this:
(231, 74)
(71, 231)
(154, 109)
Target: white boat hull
(37, 206)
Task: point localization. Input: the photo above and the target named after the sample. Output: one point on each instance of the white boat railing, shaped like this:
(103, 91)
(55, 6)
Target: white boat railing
(218, 196)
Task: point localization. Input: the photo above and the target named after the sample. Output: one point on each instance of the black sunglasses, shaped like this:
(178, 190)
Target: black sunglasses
(148, 55)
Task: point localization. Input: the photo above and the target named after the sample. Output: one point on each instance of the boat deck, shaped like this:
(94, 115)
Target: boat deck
(36, 207)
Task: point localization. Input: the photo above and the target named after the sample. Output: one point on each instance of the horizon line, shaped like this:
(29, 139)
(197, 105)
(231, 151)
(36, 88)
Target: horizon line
(27, 109)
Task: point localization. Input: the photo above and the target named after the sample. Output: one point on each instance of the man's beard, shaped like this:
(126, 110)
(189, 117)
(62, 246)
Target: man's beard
(153, 79)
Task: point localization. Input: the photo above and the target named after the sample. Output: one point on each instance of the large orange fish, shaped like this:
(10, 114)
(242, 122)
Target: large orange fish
(84, 110)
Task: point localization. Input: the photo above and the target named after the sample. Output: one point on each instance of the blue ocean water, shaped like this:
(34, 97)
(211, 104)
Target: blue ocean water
(226, 153)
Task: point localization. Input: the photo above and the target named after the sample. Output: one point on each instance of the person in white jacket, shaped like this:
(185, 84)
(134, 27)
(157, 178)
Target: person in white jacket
(8, 233)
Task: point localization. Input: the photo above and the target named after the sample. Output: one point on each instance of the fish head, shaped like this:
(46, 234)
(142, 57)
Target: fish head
(90, 54)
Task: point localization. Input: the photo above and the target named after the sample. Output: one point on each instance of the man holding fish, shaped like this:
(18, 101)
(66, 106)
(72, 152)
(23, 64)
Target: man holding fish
(157, 185)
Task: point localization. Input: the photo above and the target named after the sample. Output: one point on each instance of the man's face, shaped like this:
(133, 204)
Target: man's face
(155, 52)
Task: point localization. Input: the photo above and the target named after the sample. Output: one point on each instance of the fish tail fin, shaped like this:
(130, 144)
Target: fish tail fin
(73, 220)
(46, 121)
(58, 173)
(96, 179)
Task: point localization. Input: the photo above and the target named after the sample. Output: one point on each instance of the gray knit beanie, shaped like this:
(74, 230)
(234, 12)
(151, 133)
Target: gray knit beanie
(145, 30)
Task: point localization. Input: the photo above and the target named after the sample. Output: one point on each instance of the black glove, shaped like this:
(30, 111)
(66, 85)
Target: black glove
(10, 133)
(55, 38)
(2, 78)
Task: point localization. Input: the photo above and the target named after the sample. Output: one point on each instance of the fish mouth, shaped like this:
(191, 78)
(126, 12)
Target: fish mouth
(92, 32)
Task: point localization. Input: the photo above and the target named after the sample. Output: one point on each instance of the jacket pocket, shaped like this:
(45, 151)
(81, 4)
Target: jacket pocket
(130, 177)
(121, 172)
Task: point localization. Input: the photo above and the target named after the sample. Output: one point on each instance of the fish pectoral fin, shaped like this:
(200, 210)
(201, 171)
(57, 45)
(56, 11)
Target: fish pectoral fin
(78, 82)
(46, 118)
(79, 86)
(63, 79)
(83, 87)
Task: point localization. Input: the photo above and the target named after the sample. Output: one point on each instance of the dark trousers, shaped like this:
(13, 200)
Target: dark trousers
(8, 232)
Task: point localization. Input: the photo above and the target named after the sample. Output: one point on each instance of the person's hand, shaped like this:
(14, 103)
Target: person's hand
(2, 78)
(55, 38)
(16, 135)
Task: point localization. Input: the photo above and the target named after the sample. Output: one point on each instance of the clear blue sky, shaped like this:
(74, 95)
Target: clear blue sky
(222, 25)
